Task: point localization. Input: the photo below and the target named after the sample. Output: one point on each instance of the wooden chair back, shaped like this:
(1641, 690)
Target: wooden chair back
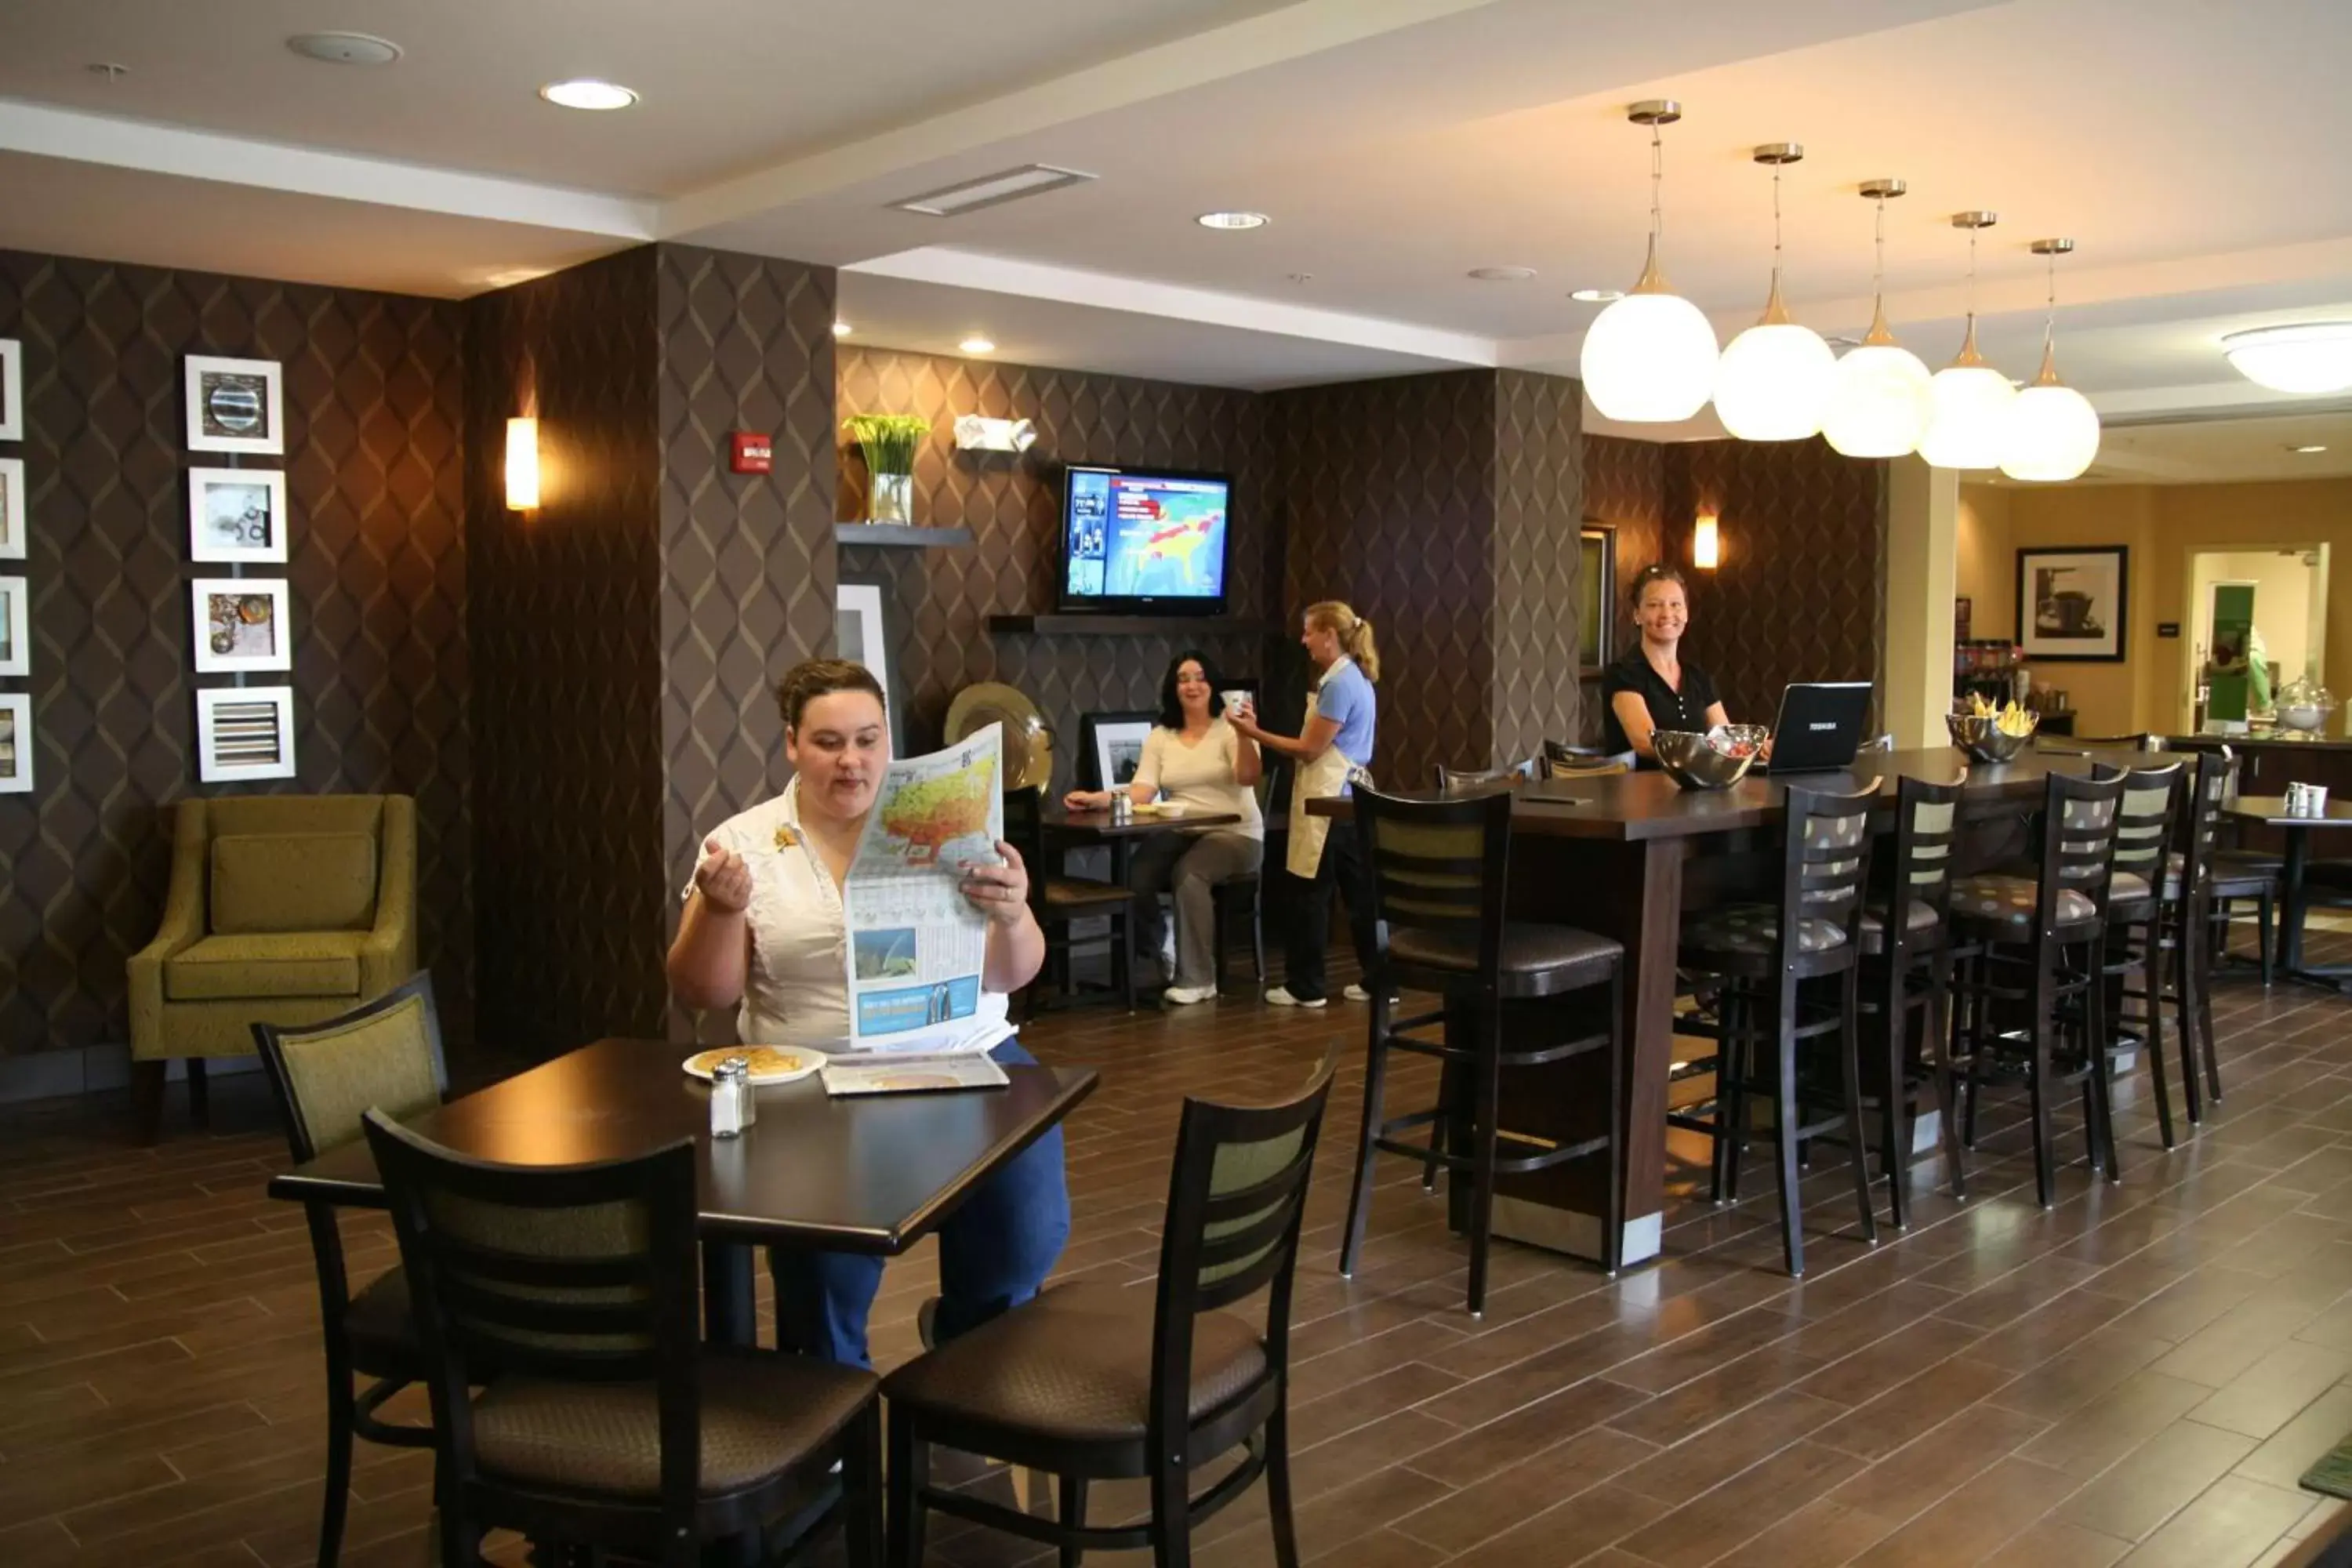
(1439, 866)
(1825, 871)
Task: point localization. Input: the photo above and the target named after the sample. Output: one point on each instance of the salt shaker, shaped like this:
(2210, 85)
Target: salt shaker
(730, 1097)
(1122, 806)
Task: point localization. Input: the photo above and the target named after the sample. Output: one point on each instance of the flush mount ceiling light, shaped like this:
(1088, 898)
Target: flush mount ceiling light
(1774, 381)
(1649, 358)
(1969, 426)
(1233, 220)
(2053, 431)
(1596, 296)
(977, 344)
(2306, 451)
(587, 92)
(1879, 402)
(345, 49)
(1502, 274)
(2304, 357)
(993, 190)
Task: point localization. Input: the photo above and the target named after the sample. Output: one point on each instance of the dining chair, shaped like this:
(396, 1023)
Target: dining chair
(324, 1076)
(1514, 995)
(1906, 971)
(2039, 939)
(2239, 876)
(1093, 1382)
(610, 1425)
(1758, 960)
(1058, 900)
(1239, 900)
(2143, 887)
(2193, 872)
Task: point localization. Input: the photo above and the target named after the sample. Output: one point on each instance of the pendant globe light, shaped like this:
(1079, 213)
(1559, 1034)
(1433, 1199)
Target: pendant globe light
(1969, 426)
(1649, 359)
(1774, 381)
(1879, 401)
(2053, 431)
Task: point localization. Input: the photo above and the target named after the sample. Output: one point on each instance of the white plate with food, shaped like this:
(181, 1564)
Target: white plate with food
(770, 1064)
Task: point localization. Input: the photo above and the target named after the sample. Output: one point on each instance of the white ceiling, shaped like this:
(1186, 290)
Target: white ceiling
(2217, 451)
(2192, 148)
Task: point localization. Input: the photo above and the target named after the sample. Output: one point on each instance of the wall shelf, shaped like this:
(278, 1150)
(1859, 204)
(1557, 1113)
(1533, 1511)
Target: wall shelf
(901, 535)
(1123, 626)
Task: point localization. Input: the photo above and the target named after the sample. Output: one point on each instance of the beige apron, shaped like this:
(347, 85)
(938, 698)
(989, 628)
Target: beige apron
(1326, 776)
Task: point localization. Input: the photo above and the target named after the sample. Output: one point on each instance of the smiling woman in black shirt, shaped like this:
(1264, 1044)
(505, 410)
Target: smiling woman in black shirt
(1654, 687)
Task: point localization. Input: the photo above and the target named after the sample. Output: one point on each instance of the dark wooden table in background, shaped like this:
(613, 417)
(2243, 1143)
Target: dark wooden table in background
(2269, 811)
(871, 1174)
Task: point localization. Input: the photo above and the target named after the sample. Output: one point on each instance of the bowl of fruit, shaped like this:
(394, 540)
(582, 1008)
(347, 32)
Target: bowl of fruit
(1715, 759)
(1991, 734)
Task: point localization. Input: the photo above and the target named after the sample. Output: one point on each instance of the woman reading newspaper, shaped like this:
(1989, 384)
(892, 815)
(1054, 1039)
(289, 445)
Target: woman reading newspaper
(763, 933)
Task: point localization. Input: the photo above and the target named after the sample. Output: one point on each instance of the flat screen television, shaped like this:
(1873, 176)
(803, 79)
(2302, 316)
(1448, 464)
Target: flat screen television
(1152, 542)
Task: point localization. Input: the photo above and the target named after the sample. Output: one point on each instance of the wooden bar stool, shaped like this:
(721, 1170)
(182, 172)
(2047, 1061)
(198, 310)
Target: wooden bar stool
(1439, 874)
(2139, 883)
(1907, 968)
(2049, 931)
(1757, 958)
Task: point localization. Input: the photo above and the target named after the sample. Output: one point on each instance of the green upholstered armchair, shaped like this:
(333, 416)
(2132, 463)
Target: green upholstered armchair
(284, 910)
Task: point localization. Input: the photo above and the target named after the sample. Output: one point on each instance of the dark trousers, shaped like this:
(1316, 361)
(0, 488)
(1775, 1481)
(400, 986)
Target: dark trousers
(1342, 868)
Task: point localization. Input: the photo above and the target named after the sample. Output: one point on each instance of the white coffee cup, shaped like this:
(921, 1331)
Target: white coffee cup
(1233, 701)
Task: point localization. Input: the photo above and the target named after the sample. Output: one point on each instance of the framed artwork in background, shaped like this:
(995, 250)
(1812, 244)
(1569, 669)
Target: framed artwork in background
(16, 743)
(1597, 634)
(15, 628)
(241, 623)
(11, 509)
(861, 634)
(237, 515)
(235, 405)
(2072, 605)
(245, 732)
(1110, 747)
(12, 390)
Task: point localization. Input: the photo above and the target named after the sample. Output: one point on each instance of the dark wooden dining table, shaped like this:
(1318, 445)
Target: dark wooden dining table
(872, 1174)
(2269, 811)
(1625, 854)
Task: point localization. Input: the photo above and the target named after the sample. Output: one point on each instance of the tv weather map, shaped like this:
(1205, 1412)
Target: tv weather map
(1163, 538)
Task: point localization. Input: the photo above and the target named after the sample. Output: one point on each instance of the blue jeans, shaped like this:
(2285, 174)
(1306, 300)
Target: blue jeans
(994, 1252)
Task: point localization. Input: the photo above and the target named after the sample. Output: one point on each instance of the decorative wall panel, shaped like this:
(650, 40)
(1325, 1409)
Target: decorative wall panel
(747, 559)
(566, 617)
(1538, 562)
(1625, 486)
(374, 419)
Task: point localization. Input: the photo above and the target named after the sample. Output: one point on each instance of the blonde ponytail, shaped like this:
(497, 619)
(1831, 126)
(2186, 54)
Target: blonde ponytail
(1354, 632)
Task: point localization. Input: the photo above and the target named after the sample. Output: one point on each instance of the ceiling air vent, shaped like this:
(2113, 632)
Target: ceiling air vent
(993, 190)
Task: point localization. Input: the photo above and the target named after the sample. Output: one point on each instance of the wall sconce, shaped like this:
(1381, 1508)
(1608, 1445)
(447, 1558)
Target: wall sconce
(522, 465)
(1707, 545)
(975, 434)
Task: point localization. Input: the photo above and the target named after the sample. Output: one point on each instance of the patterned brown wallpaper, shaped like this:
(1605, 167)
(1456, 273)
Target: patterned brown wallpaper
(373, 398)
(747, 560)
(942, 598)
(1625, 486)
(1539, 592)
(565, 613)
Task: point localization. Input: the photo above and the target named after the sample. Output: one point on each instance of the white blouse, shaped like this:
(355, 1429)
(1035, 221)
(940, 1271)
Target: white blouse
(1202, 776)
(796, 981)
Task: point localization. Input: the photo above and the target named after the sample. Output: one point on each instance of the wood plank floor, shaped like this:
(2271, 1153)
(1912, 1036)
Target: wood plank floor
(2139, 1376)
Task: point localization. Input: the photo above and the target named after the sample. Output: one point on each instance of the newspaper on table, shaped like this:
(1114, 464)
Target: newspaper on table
(917, 945)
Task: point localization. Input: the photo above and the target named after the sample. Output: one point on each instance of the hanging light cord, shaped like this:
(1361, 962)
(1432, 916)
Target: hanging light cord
(1878, 251)
(1657, 178)
(1776, 222)
(1972, 278)
(2050, 305)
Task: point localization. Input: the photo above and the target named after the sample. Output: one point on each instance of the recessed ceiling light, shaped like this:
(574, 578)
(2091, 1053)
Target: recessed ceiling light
(345, 49)
(1233, 220)
(1502, 274)
(1597, 296)
(841, 328)
(2306, 450)
(993, 190)
(977, 345)
(587, 92)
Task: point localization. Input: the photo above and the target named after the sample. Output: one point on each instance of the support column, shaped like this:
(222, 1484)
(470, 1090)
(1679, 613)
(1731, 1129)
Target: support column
(1923, 510)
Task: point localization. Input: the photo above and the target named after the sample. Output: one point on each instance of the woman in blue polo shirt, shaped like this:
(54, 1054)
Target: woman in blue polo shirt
(1335, 747)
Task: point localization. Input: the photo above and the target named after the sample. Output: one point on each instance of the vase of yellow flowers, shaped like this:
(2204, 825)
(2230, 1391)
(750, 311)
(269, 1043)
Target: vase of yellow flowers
(888, 442)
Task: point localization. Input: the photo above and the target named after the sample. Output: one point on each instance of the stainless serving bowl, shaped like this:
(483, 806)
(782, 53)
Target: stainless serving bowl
(1692, 759)
(1981, 737)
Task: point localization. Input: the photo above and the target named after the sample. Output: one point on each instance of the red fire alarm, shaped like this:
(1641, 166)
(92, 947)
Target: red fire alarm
(749, 453)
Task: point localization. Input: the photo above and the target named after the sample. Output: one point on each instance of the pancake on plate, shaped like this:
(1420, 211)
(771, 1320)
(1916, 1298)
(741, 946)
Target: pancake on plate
(769, 1063)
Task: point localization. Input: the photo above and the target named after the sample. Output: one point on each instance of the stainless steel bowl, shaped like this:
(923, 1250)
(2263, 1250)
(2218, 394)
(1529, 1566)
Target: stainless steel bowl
(1694, 762)
(1981, 737)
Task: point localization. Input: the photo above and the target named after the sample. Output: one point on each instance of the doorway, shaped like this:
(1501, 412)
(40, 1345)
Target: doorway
(2258, 619)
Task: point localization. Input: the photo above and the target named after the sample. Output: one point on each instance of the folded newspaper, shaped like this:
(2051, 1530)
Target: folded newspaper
(917, 945)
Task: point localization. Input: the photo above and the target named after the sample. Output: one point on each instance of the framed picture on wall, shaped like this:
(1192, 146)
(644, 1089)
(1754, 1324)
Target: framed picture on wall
(2071, 604)
(861, 634)
(236, 514)
(245, 732)
(1110, 747)
(16, 743)
(12, 390)
(15, 628)
(242, 624)
(1597, 633)
(235, 405)
(11, 509)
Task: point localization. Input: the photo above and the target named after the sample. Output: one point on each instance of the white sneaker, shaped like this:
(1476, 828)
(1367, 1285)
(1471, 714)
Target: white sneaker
(1185, 995)
(1358, 993)
(1280, 997)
